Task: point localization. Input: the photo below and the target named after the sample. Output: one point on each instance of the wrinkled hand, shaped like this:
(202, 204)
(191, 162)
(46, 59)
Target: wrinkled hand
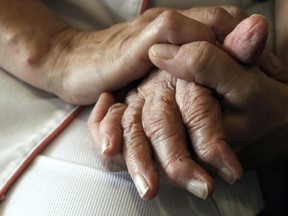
(157, 105)
(151, 122)
(254, 106)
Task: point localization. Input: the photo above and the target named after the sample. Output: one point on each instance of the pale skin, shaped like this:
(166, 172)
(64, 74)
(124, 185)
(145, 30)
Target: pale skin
(42, 51)
(243, 112)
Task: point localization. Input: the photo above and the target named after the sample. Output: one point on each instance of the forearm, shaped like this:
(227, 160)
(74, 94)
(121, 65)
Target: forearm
(28, 31)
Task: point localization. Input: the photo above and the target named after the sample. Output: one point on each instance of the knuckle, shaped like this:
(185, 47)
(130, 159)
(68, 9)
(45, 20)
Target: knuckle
(216, 15)
(173, 167)
(201, 56)
(131, 125)
(116, 108)
(168, 16)
(171, 171)
(147, 17)
(219, 13)
(167, 20)
(164, 100)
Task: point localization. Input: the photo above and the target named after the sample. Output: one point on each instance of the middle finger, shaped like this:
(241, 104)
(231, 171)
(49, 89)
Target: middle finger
(163, 127)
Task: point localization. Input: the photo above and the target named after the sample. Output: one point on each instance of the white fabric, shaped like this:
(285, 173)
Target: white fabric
(95, 14)
(28, 116)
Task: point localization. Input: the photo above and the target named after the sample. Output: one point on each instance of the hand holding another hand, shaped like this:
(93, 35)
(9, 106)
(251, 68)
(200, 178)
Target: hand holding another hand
(157, 103)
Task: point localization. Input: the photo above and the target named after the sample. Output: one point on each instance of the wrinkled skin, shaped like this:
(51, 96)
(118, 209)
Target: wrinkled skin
(154, 111)
(166, 99)
(254, 106)
(157, 105)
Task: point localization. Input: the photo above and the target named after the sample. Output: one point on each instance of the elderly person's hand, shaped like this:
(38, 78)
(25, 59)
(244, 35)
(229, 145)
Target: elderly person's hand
(153, 111)
(157, 105)
(254, 106)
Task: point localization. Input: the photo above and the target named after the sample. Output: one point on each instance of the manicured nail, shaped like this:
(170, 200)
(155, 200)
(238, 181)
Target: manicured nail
(141, 185)
(164, 51)
(198, 188)
(105, 143)
(228, 175)
(276, 63)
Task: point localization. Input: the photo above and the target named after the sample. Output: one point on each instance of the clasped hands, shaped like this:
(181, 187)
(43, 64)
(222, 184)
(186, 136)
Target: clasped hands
(206, 101)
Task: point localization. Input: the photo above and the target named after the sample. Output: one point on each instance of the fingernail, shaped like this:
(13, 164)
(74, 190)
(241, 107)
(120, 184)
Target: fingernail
(198, 188)
(258, 15)
(141, 185)
(105, 143)
(276, 63)
(228, 175)
(164, 51)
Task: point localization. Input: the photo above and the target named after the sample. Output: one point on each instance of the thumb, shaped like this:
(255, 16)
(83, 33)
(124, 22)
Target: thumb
(200, 62)
(247, 41)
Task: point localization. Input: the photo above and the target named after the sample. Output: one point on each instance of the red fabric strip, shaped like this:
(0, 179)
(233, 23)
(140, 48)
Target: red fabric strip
(31, 157)
(144, 6)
